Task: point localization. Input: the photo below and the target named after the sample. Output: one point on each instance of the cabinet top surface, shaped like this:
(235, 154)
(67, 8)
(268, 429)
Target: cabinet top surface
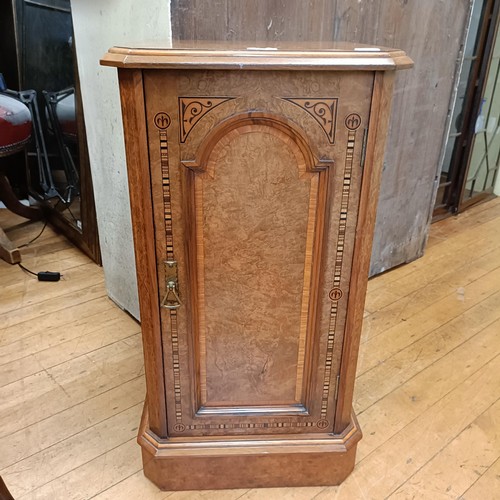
(254, 55)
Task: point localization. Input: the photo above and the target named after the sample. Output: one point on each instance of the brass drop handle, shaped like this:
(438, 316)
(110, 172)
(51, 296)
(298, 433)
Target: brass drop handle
(171, 299)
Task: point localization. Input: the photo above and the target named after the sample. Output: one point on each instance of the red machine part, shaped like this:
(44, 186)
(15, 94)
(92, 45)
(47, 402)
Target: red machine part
(15, 125)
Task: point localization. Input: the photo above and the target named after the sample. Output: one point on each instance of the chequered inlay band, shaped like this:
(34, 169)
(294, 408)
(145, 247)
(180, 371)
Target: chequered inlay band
(167, 211)
(337, 272)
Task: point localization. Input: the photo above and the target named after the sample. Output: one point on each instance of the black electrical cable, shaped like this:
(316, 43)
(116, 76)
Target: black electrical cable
(26, 270)
(42, 275)
(43, 229)
(35, 238)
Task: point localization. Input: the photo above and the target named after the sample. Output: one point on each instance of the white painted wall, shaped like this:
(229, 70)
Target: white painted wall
(99, 25)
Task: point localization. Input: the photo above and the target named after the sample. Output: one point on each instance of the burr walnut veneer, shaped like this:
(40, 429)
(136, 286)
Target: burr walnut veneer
(254, 176)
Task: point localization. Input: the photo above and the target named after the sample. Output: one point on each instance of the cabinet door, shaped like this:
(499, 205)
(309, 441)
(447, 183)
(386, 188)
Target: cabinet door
(256, 179)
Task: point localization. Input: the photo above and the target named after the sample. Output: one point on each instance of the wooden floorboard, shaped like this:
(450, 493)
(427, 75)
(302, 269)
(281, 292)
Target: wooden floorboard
(427, 391)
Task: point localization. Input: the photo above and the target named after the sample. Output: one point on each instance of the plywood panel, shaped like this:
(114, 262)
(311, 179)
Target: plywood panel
(430, 32)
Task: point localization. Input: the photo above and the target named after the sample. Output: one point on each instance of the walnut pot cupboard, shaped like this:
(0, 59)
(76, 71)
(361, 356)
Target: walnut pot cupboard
(254, 176)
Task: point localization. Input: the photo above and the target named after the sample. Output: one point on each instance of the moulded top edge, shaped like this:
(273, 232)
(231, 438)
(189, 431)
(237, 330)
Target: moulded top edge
(251, 55)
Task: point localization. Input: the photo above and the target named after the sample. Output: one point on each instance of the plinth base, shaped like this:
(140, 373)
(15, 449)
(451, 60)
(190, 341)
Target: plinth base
(250, 462)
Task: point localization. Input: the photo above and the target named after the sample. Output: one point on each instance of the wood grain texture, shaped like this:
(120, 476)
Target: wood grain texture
(286, 56)
(260, 294)
(301, 345)
(430, 32)
(430, 408)
(134, 126)
(263, 206)
(261, 471)
(8, 251)
(475, 448)
(258, 276)
(242, 463)
(375, 148)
